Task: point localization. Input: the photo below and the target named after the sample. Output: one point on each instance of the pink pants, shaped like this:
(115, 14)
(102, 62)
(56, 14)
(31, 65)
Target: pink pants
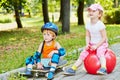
(100, 51)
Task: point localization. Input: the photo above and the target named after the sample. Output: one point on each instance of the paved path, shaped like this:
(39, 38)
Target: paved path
(7, 26)
(82, 75)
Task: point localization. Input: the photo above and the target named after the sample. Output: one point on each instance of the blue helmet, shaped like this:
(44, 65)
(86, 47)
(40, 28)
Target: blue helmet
(50, 26)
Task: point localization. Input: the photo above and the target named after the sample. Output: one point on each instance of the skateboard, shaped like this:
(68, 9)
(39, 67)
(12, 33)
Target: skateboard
(35, 73)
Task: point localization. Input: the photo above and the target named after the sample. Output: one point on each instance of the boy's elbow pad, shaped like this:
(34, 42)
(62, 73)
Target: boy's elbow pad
(29, 60)
(38, 60)
(61, 51)
(37, 55)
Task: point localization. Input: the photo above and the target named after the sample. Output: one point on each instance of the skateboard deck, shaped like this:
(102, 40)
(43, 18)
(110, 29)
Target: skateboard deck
(40, 72)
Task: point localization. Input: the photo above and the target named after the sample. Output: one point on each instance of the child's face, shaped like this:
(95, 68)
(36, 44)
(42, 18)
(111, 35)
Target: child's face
(48, 36)
(93, 14)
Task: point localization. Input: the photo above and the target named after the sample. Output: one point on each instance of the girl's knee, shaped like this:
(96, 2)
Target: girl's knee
(83, 54)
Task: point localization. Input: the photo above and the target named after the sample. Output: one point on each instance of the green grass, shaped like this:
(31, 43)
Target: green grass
(17, 44)
(21, 43)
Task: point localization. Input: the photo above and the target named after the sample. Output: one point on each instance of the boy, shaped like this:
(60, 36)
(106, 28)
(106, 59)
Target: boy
(49, 51)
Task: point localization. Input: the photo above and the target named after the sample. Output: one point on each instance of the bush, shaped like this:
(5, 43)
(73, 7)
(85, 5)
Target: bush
(112, 16)
(7, 20)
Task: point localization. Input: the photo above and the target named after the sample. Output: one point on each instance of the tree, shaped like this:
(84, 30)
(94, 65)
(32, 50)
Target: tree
(61, 10)
(116, 3)
(17, 16)
(80, 12)
(65, 7)
(45, 11)
(14, 5)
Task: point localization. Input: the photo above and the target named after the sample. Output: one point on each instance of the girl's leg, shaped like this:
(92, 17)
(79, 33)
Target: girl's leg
(101, 54)
(80, 60)
(78, 63)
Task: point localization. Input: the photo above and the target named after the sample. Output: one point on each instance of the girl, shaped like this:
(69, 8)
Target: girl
(96, 39)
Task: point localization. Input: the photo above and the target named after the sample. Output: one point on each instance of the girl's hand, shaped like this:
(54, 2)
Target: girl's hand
(39, 66)
(94, 47)
(87, 47)
(52, 52)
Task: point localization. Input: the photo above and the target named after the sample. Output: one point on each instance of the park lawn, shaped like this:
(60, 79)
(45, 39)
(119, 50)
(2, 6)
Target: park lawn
(17, 44)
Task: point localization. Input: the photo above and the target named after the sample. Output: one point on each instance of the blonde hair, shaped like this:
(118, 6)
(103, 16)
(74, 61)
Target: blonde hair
(101, 13)
(51, 32)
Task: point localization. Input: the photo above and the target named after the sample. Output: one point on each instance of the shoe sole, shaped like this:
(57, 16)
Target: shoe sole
(101, 73)
(68, 74)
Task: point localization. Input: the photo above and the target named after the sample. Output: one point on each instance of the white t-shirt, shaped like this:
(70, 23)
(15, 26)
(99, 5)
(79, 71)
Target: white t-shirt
(95, 31)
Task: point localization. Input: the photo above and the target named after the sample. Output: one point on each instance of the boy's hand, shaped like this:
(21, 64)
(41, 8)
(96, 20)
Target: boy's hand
(39, 66)
(52, 52)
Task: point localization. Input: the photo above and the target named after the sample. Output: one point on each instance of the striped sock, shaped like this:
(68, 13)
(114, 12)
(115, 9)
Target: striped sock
(52, 68)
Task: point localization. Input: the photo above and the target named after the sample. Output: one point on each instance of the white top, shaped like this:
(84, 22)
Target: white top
(95, 31)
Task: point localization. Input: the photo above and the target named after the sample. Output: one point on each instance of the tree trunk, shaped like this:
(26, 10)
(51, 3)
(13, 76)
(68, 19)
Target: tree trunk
(45, 11)
(61, 10)
(116, 3)
(17, 17)
(65, 15)
(80, 12)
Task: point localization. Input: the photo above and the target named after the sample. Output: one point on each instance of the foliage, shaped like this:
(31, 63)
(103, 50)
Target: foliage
(34, 6)
(112, 16)
(107, 4)
(10, 4)
(89, 2)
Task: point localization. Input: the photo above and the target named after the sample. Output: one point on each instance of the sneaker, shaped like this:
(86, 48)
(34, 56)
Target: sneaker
(69, 71)
(101, 71)
(50, 75)
(28, 72)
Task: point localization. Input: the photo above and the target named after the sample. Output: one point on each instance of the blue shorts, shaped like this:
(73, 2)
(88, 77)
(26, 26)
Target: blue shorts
(45, 62)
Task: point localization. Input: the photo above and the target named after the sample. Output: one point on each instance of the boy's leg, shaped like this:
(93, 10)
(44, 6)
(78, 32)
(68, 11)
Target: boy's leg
(54, 62)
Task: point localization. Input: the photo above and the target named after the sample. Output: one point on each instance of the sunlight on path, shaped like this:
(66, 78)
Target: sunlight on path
(73, 19)
(8, 26)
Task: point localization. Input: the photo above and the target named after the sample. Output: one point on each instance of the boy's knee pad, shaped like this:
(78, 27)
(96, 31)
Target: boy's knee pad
(55, 58)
